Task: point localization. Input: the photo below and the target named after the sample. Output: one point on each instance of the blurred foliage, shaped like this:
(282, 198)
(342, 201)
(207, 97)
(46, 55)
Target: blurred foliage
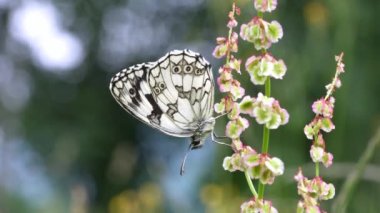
(66, 146)
(147, 199)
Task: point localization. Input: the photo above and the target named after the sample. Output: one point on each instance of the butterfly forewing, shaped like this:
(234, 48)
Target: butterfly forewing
(174, 94)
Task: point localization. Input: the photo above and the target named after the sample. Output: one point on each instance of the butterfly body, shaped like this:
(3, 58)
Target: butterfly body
(174, 94)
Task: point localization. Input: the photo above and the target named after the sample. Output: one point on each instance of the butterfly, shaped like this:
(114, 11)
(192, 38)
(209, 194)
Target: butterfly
(174, 94)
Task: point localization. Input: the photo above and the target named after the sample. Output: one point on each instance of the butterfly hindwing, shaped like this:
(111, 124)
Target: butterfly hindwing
(173, 94)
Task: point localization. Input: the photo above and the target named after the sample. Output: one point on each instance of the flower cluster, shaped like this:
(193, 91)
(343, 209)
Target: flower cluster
(258, 165)
(264, 66)
(261, 33)
(230, 44)
(312, 191)
(266, 110)
(316, 189)
(257, 205)
(226, 81)
(226, 45)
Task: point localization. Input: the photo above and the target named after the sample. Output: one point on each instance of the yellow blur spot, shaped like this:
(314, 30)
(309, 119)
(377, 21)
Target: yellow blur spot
(148, 199)
(316, 14)
(224, 198)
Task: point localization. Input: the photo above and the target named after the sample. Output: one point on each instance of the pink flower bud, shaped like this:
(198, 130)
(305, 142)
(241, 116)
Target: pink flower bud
(327, 159)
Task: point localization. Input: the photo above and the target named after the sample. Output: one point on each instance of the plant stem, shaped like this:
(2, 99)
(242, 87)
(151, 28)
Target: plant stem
(228, 57)
(250, 184)
(261, 190)
(340, 204)
(260, 14)
(265, 145)
(317, 169)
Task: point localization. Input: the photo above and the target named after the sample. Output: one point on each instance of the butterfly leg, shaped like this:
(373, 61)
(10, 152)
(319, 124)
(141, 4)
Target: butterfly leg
(215, 138)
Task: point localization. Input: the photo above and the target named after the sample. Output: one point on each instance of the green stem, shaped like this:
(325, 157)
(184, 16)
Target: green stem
(250, 184)
(260, 14)
(265, 145)
(267, 87)
(261, 190)
(317, 169)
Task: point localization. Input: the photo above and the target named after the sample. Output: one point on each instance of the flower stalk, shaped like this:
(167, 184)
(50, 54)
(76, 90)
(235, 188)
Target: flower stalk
(263, 108)
(314, 190)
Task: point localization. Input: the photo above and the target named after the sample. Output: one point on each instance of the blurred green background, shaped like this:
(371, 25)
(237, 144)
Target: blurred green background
(66, 145)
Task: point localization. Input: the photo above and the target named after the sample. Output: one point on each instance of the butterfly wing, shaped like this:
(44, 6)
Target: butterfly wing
(174, 94)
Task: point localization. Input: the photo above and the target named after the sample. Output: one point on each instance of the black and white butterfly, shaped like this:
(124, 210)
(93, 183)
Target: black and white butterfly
(174, 94)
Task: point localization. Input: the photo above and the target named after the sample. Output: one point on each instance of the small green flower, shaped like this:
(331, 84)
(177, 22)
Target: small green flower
(266, 176)
(274, 31)
(256, 78)
(316, 154)
(262, 114)
(257, 206)
(275, 165)
(279, 69)
(255, 172)
(323, 107)
(235, 127)
(330, 192)
(222, 48)
(227, 165)
(235, 112)
(235, 64)
(265, 5)
(274, 122)
(251, 159)
(236, 90)
(327, 159)
(237, 162)
(309, 131)
(220, 107)
(266, 66)
(247, 105)
(326, 124)
(284, 116)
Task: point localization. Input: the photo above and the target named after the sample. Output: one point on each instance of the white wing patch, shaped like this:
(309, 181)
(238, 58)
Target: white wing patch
(173, 94)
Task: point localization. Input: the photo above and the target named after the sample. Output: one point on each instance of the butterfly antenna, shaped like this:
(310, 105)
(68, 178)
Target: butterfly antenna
(184, 160)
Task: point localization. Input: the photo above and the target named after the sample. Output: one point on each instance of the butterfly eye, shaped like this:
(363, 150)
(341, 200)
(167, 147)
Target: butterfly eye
(188, 69)
(132, 92)
(161, 85)
(176, 69)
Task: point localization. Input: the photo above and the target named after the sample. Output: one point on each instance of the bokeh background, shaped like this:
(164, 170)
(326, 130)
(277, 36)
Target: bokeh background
(66, 145)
